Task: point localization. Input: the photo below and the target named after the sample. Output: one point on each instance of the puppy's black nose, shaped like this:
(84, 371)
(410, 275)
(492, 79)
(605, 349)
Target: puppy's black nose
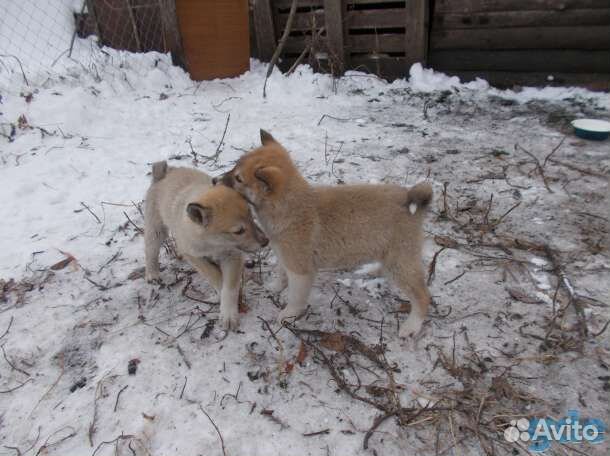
(264, 242)
(214, 180)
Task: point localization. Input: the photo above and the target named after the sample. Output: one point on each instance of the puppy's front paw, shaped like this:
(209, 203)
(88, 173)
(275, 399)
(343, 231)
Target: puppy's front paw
(152, 276)
(411, 328)
(288, 315)
(277, 285)
(229, 318)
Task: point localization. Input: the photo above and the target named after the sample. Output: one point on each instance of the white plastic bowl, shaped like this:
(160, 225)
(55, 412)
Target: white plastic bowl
(591, 128)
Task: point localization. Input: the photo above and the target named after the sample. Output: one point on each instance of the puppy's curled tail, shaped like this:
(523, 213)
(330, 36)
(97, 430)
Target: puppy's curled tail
(419, 198)
(159, 170)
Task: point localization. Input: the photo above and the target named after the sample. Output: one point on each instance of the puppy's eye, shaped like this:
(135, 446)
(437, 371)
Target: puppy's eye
(242, 230)
(238, 178)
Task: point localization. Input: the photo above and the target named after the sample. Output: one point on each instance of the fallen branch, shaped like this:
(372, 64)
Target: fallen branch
(308, 49)
(280, 46)
(568, 287)
(538, 165)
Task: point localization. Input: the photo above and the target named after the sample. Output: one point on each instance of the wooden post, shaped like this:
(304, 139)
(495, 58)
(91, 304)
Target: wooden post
(333, 16)
(93, 16)
(416, 33)
(171, 32)
(134, 27)
(264, 29)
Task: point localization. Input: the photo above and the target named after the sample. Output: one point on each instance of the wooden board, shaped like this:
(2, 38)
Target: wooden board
(214, 37)
(333, 12)
(522, 19)
(416, 31)
(285, 4)
(302, 21)
(296, 44)
(536, 60)
(381, 18)
(264, 29)
(591, 37)
(376, 43)
(389, 68)
(446, 6)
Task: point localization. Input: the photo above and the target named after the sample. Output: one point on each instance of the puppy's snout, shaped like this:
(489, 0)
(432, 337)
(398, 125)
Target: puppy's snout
(264, 242)
(214, 180)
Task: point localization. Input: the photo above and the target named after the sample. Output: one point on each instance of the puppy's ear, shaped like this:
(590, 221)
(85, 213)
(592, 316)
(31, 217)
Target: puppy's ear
(270, 176)
(266, 138)
(199, 214)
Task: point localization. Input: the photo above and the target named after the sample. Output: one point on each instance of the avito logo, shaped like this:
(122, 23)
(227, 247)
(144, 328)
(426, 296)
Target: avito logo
(539, 433)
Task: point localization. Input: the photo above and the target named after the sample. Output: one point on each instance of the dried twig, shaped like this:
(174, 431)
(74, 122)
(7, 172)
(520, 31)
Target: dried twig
(555, 149)
(183, 387)
(280, 45)
(186, 361)
(25, 79)
(10, 323)
(539, 166)
(432, 267)
(111, 442)
(11, 364)
(131, 222)
(308, 49)
(91, 212)
(567, 286)
(10, 390)
(222, 442)
(116, 403)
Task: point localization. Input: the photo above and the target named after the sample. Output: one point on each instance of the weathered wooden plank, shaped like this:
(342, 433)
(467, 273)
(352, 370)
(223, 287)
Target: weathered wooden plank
(302, 21)
(416, 31)
(591, 37)
(285, 4)
(456, 6)
(376, 43)
(333, 12)
(296, 44)
(373, 2)
(264, 29)
(522, 19)
(551, 60)
(381, 18)
(502, 79)
(389, 68)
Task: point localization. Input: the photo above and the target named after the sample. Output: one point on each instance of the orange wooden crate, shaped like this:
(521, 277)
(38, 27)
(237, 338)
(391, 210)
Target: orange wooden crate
(215, 37)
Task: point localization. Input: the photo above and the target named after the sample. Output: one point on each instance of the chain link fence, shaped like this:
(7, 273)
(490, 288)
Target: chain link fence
(41, 38)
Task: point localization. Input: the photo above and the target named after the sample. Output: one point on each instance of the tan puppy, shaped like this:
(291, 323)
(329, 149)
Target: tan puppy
(212, 227)
(338, 227)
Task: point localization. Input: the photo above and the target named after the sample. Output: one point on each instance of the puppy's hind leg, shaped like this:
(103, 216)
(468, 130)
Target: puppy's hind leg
(154, 235)
(299, 287)
(410, 279)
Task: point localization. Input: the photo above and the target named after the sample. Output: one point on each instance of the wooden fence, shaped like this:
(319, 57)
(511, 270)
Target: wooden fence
(505, 41)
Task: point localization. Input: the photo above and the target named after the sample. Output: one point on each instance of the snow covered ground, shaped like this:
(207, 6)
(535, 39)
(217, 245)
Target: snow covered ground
(75, 154)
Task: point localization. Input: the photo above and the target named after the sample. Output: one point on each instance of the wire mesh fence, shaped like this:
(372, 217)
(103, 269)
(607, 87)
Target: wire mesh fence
(39, 39)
